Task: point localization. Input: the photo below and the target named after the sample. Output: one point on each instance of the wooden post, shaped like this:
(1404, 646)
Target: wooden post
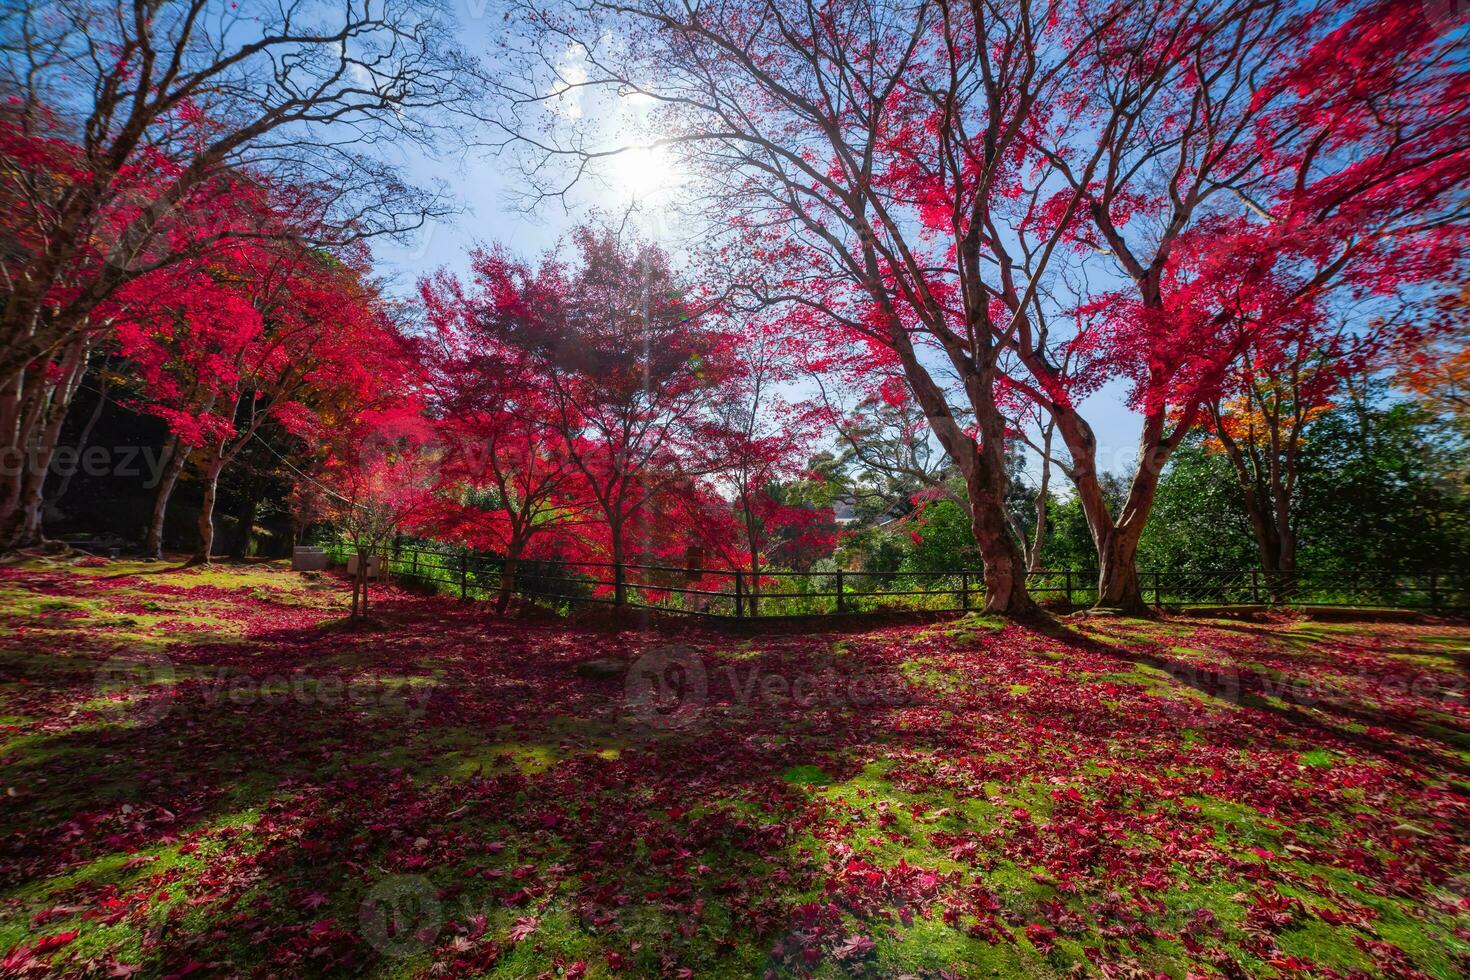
(414, 554)
(464, 571)
(1434, 591)
(739, 594)
(1068, 574)
(839, 590)
(965, 591)
(1255, 587)
(693, 563)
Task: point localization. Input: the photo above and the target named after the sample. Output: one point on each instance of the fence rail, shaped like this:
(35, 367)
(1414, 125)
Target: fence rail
(736, 593)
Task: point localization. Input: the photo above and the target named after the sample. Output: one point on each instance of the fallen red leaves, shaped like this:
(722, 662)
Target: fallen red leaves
(1198, 797)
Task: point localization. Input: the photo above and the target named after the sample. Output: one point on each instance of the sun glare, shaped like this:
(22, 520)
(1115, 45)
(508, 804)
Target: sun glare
(643, 173)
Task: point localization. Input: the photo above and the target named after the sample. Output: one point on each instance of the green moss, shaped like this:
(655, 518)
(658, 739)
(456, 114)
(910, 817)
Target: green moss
(872, 794)
(930, 947)
(806, 776)
(1318, 758)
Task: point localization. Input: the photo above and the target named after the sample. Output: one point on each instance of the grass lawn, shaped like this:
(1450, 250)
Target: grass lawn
(205, 773)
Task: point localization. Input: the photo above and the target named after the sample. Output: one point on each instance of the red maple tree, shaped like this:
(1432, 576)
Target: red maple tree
(1055, 196)
(508, 483)
(622, 363)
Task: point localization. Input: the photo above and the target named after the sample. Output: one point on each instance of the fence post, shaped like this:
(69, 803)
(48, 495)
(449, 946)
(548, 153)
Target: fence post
(414, 554)
(965, 591)
(464, 571)
(1434, 591)
(1255, 587)
(1068, 574)
(1158, 601)
(839, 590)
(739, 594)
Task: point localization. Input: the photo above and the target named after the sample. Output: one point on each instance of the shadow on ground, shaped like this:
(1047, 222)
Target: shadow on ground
(206, 772)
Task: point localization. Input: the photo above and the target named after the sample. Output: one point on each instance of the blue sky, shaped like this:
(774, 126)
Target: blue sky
(486, 185)
(491, 215)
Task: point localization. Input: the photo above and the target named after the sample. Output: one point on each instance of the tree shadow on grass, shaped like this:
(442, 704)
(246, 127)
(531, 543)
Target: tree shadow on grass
(340, 786)
(1302, 703)
(273, 803)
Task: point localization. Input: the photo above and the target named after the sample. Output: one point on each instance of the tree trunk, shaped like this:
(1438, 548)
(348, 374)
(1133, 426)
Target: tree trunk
(1275, 553)
(177, 454)
(984, 466)
(1283, 589)
(205, 550)
(620, 584)
(1039, 536)
(356, 586)
(1004, 565)
(1267, 504)
(33, 504)
(1116, 541)
(17, 463)
(1118, 587)
(985, 485)
(14, 454)
(753, 587)
(507, 579)
(1266, 545)
(245, 516)
(1041, 504)
(752, 594)
(21, 525)
(1277, 547)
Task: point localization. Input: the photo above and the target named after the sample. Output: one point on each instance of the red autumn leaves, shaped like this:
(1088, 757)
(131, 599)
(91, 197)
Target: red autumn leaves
(1040, 807)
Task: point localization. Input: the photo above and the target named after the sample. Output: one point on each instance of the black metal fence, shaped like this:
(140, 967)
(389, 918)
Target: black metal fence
(728, 592)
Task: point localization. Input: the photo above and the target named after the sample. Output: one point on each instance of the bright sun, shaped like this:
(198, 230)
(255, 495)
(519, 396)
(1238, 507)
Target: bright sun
(643, 173)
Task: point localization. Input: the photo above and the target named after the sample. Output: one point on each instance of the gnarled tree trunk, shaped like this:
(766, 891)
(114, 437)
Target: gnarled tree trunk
(1118, 585)
(1116, 540)
(1005, 564)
